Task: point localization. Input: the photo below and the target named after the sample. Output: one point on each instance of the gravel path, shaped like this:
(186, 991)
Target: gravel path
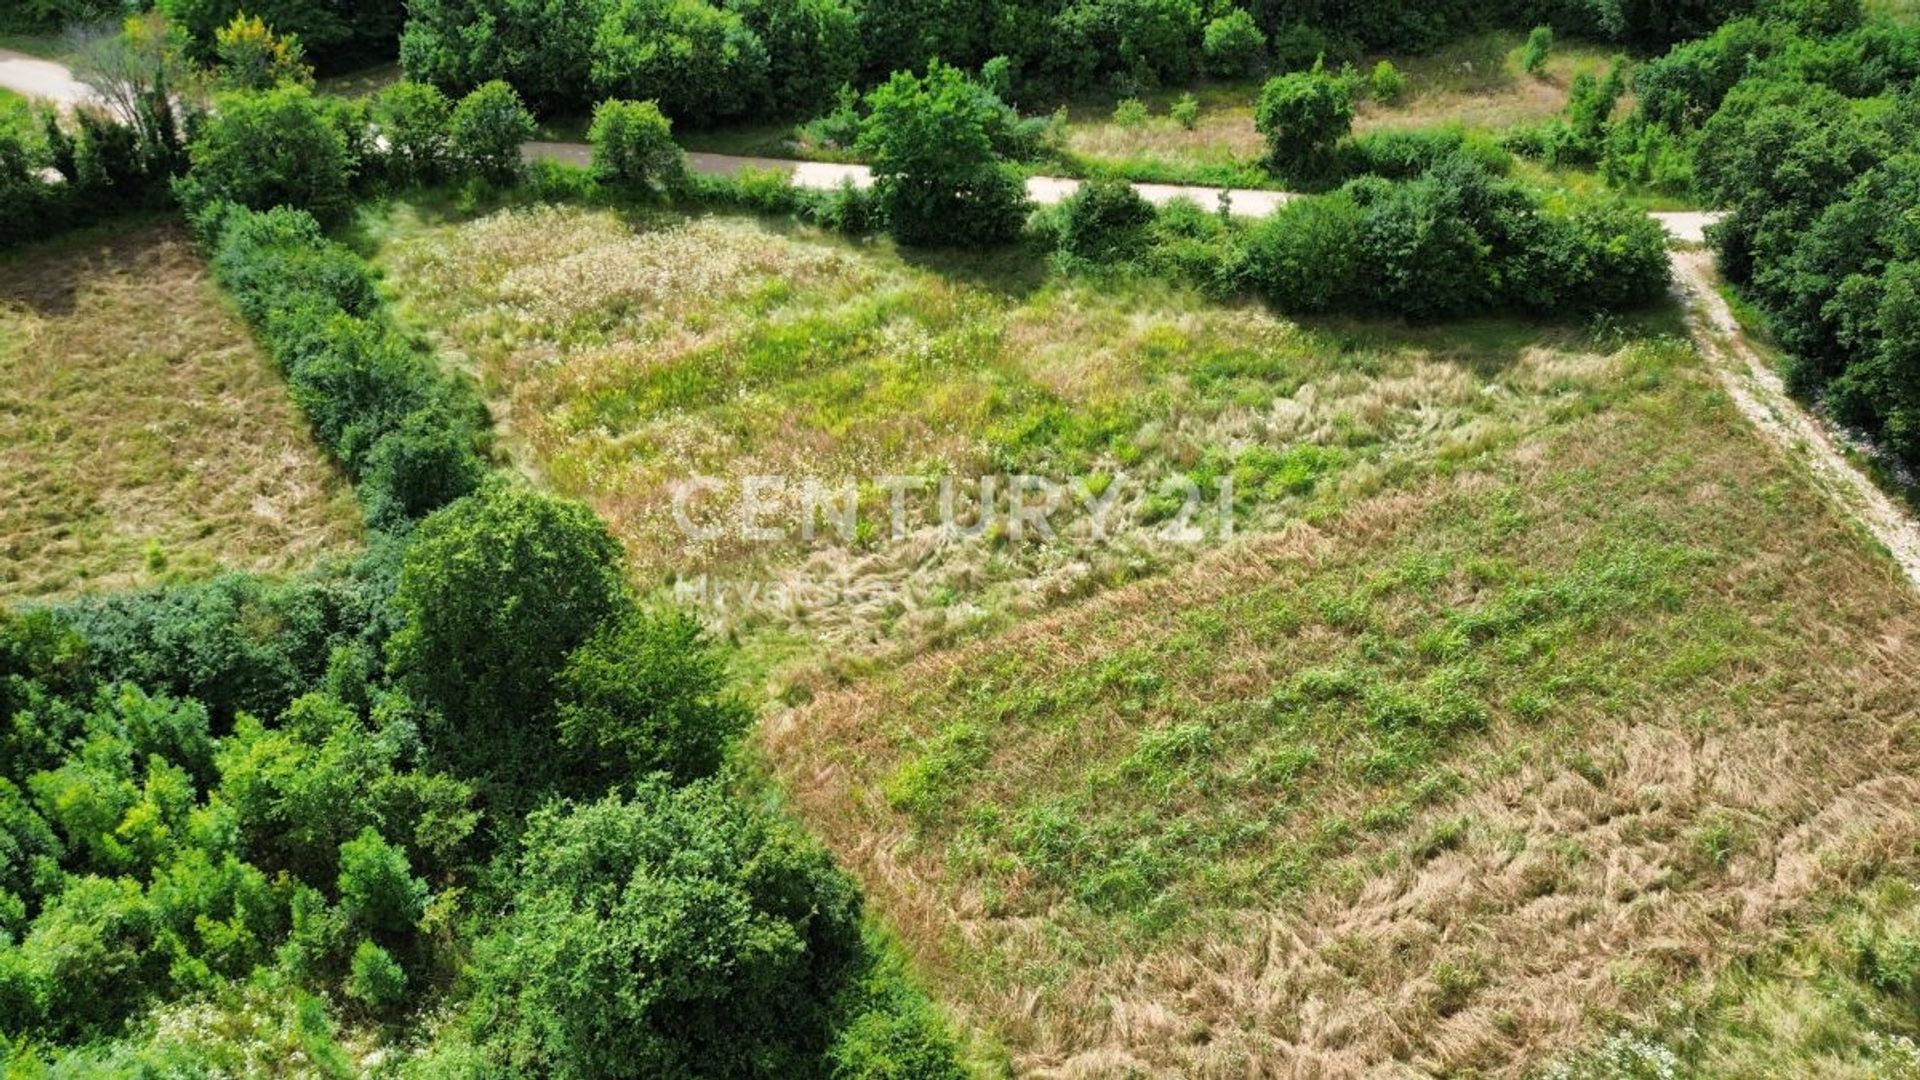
(44, 79)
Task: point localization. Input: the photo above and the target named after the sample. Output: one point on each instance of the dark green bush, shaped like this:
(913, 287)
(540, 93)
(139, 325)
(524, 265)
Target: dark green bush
(270, 149)
(1305, 258)
(633, 147)
(699, 62)
(1302, 116)
(485, 131)
(414, 120)
(1234, 45)
(936, 177)
(1105, 221)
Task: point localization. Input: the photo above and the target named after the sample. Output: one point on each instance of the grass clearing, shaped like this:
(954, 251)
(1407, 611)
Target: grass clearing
(1449, 780)
(626, 355)
(143, 437)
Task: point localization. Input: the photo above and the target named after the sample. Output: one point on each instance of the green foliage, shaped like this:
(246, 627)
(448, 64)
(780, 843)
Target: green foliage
(1185, 111)
(270, 149)
(1385, 84)
(813, 48)
(542, 47)
(681, 932)
(1305, 257)
(374, 978)
(413, 118)
(1130, 113)
(648, 693)
(1105, 221)
(1302, 116)
(1533, 57)
(253, 57)
(936, 176)
(496, 592)
(485, 132)
(699, 62)
(1234, 45)
(633, 147)
(378, 893)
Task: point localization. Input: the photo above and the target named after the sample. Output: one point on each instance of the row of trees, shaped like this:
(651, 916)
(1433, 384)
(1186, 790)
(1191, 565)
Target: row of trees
(704, 61)
(1802, 124)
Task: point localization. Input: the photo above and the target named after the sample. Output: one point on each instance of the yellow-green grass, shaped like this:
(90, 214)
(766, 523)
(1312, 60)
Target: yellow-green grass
(625, 356)
(1475, 83)
(143, 436)
(16, 113)
(1837, 998)
(1452, 780)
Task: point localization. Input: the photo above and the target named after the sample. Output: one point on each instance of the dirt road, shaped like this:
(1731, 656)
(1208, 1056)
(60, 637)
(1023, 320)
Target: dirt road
(36, 78)
(1760, 395)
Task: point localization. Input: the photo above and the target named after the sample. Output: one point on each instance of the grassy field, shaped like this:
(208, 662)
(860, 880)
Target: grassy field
(1531, 693)
(1476, 83)
(626, 356)
(142, 435)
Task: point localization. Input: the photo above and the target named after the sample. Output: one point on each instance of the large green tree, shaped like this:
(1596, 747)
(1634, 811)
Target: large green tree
(938, 179)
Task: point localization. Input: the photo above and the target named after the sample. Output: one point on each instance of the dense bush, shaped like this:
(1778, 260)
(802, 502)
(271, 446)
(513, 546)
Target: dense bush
(633, 147)
(413, 119)
(1305, 258)
(1234, 46)
(269, 149)
(812, 46)
(1104, 221)
(677, 933)
(496, 593)
(699, 62)
(337, 33)
(1302, 116)
(936, 176)
(485, 132)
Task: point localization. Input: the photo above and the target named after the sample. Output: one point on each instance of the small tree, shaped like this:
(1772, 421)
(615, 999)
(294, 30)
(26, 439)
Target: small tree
(375, 979)
(1533, 58)
(1234, 46)
(1386, 84)
(935, 172)
(1303, 115)
(413, 118)
(378, 892)
(1185, 111)
(486, 130)
(1105, 221)
(633, 146)
(268, 149)
(649, 694)
(496, 592)
(253, 57)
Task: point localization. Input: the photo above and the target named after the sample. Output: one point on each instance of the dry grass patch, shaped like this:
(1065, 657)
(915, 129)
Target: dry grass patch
(1448, 781)
(626, 357)
(142, 435)
(1475, 83)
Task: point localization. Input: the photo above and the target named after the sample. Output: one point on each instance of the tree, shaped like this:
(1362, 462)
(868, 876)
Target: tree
(647, 694)
(495, 594)
(700, 63)
(378, 892)
(813, 48)
(130, 70)
(541, 47)
(268, 149)
(253, 57)
(486, 130)
(414, 118)
(633, 147)
(935, 172)
(1303, 115)
(680, 933)
(1233, 45)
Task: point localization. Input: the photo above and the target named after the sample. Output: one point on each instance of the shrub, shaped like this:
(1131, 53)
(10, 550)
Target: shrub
(1130, 113)
(1135, 43)
(699, 62)
(648, 694)
(375, 979)
(1185, 111)
(1233, 45)
(633, 147)
(414, 118)
(1104, 221)
(1405, 154)
(680, 933)
(495, 593)
(485, 132)
(1302, 116)
(1533, 58)
(1306, 257)
(1386, 84)
(378, 892)
(542, 47)
(935, 174)
(253, 57)
(269, 149)
(426, 461)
